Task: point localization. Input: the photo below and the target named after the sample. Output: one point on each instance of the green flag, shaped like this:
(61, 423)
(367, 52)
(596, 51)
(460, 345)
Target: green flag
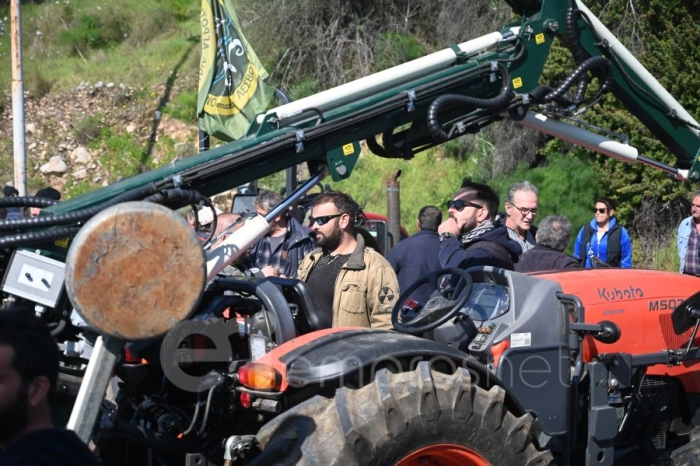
(231, 86)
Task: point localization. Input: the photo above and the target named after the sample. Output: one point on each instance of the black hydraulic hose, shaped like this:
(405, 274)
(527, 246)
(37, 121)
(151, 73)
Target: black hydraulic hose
(571, 40)
(37, 237)
(376, 148)
(185, 196)
(451, 100)
(392, 150)
(44, 221)
(177, 195)
(26, 201)
(583, 68)
(538, 94)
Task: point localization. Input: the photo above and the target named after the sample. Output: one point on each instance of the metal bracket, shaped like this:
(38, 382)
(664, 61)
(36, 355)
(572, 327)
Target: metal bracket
(411, 105)
(300, 141)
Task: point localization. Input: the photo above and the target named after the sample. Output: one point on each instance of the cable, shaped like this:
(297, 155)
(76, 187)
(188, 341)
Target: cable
(37, 237)
(450, 100)
(26, 201)
(207, 409)
(194, 419)
(44, 221)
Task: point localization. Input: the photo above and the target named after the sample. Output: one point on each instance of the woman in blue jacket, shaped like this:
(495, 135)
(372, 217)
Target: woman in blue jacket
(604, 242)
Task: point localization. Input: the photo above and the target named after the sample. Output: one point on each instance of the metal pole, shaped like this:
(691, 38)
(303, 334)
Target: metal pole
(203, 141)
(18, 98)
(393, 211)
(92, 390)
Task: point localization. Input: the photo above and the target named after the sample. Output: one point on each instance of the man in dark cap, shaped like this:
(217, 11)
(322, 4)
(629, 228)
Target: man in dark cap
(45, 193)
(10, 191)
(11, 213)
(48, 193)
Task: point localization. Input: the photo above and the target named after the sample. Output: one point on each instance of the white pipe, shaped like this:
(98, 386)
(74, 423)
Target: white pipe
(579, 136)
(236, 245)
(20, 172)
(377, 82)
(627, 58)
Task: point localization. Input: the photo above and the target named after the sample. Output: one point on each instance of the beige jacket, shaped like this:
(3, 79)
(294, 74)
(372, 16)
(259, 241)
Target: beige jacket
(365, 291)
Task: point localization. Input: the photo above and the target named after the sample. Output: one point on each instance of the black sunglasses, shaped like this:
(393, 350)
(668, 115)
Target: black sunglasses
(460, 204)
(323, 219)
(600, 211)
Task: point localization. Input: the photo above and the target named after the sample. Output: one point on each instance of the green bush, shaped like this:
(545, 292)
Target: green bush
(88, 129)
(87, 33)
(37, 83)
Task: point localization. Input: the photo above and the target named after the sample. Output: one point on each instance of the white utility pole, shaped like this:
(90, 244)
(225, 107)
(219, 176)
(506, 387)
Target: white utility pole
(18, 98)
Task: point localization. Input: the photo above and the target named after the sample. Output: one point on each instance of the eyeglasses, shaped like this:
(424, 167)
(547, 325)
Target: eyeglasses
(323, 219)
(460, 204)
(600, 211)
(525, 211)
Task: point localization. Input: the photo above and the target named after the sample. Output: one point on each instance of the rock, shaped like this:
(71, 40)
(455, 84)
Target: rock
(30, 128)
(55, 165)
(130, 128)
(80, 174)
(80, 155)
(31, 146)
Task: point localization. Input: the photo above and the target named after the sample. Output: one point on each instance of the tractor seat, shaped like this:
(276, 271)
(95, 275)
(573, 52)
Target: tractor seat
(310, 317)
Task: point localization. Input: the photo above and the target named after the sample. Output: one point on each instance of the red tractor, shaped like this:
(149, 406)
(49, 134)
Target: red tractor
(581, 367)
(593, 367)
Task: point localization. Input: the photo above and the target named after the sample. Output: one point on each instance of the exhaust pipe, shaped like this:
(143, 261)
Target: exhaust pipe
(393, 198)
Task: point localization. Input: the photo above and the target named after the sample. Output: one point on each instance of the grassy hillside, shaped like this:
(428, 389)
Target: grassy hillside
(132, 41)
(95, 75)
(118, 80)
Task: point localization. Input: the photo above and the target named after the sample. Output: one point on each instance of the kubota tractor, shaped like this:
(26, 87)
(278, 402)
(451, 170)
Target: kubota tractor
(576, 367)
(168, 361)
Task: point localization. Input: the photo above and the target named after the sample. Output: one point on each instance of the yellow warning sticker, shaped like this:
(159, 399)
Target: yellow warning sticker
(539, 38)
(63, 243)
(348, 149)
(517, 82)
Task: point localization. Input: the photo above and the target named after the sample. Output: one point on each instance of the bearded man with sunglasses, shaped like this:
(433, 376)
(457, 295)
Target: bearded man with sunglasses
(355, 285)
(470, 236)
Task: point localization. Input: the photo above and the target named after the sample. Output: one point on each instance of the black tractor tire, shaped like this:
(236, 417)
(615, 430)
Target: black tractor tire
(396, 415)
(687, 455)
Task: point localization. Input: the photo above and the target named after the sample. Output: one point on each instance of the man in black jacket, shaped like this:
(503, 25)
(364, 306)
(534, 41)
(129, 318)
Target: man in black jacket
(417, 256)
(28, 373)
(552, 238)
(470, 237)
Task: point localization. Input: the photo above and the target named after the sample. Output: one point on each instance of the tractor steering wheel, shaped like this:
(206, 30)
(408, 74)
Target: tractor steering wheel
(444, 303)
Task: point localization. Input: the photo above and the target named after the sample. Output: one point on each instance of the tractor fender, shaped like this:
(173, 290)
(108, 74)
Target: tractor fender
(357, 355)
